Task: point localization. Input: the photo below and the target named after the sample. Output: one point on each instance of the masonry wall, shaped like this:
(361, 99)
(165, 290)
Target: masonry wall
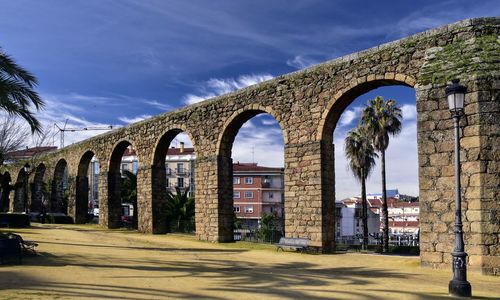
(307, 105)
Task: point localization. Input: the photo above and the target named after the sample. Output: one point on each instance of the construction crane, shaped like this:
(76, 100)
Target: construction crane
(64, 129)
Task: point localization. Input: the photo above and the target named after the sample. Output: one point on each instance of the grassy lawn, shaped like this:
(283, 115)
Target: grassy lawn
(86, 261)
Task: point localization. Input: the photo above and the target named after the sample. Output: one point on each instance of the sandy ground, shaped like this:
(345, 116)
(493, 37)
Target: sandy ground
(89, 262)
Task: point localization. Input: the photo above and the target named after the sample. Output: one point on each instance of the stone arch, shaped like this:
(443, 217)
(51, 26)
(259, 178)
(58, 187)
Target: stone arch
(82, 187)
(38, 189)
(336, 106)
(6, 187)
(347, 95)
(112, 210)
(233, 124)
(225, 163)
(20, 201)
(59, 185)
(158, 175)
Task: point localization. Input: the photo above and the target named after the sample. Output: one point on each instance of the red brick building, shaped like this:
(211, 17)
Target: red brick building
(257, 190)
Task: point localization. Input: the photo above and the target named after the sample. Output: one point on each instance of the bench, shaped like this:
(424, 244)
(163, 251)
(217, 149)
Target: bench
(10, 248)
(27, 247)
(297, 244)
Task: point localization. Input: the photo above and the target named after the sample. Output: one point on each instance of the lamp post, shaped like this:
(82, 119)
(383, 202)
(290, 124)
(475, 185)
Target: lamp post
(27, 170)
(458, 286)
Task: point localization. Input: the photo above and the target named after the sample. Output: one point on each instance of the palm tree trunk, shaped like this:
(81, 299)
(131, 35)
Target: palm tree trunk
(365, 212)
(385, 214)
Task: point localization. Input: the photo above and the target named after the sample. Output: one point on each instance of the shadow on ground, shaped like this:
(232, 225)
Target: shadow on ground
(289, 280)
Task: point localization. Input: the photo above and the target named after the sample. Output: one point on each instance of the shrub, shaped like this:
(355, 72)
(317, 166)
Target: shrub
(405, 250)
(57, 219)
(15, 220)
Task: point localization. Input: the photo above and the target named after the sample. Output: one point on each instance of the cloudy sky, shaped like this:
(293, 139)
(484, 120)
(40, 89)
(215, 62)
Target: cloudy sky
(105, 62)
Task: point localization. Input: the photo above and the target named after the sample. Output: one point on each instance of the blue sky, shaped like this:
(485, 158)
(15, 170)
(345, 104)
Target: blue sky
(104, 62)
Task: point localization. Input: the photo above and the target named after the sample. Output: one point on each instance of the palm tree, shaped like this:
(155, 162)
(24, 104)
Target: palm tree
(180, 210)
(361, 156)
(129, 193)
(381, 119)
(16, 91)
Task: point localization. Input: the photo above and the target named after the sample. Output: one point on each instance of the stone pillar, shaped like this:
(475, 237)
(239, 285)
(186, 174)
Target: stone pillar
(80, 210)
(225, 201)
(208, 210)
(19, 197)
(482, 143)
(480, 181)
(153, 200)
(114, 203)
(309, 198)
(103, 197)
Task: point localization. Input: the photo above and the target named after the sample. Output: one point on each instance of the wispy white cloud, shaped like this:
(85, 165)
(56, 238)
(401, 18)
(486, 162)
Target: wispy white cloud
(128, 120)
(350, 115)
(217, 86)
(409, 112)
(159, 105)
(301, 62)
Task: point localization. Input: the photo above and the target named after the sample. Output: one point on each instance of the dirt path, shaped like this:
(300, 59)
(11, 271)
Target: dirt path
(88, 262)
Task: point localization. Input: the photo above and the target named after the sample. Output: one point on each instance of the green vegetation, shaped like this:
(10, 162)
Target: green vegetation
(361, 157)
(57, 219)
(180, 211)
(14, 220)
(17, 91)
(382, 119)
(129, 193)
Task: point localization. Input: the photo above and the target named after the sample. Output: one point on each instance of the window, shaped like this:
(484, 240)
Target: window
(167, 169)
(236, 180)
(248, 180)
(248, 209)
(124, 167)
(135, 166)
(168, 184)
(236, 195)
(248, 194)
(267, 179)
(180, 168)
(236, 209)
(180, 182)
(271, 195)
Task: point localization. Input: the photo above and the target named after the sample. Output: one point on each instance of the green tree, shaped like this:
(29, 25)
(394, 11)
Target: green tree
(17, 91)
(129, 193)
(267, 227)
(382, 119)
(180, 210)
(361, 157)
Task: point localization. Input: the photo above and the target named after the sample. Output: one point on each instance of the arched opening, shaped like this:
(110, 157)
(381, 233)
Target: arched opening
(39, 190)
(401, 165)
(251, 171)
(121, 208)
(6, 188)
(59, 196)
(87, 195)
(173, 183)
(20, 203)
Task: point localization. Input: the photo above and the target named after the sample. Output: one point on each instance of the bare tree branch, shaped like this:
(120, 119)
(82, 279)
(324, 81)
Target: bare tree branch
(13, 135)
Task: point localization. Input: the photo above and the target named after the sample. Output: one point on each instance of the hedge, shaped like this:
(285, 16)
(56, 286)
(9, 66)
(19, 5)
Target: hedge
(58, 219)
(16, 220)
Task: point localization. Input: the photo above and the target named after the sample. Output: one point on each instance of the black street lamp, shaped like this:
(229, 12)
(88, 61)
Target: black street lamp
(459, 286)
(27, 170)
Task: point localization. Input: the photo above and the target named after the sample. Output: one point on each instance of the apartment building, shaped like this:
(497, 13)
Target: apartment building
(257, 190)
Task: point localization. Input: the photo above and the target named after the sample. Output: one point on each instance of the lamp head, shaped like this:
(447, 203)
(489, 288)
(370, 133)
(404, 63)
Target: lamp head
(455, 93)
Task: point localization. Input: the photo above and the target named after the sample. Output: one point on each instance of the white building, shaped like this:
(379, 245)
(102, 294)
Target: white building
(349, 222)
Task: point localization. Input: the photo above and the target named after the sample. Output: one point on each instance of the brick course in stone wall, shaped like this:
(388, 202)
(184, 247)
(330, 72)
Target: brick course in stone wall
(307, 104)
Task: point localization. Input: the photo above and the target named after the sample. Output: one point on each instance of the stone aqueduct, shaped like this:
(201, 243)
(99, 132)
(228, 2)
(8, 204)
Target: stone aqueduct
(307, 104)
